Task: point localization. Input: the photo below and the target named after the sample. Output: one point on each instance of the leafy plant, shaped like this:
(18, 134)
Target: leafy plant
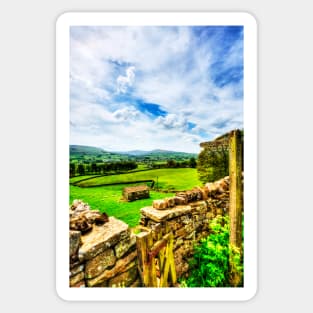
(216, 263)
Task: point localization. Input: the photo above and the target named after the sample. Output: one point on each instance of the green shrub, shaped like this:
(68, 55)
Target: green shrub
(215, 262)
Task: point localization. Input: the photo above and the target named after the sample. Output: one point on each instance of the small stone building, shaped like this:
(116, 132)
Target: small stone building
(136, 193)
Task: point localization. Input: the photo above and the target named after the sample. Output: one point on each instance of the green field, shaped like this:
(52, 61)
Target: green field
(166, 179)
(108, 198)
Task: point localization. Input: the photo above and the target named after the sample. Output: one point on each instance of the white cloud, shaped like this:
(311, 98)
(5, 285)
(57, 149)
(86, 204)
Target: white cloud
(166, 66)
(172, 121)
(123, 82)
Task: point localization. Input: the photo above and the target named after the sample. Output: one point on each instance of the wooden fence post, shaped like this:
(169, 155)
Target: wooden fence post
(235, 190)
(147, 271)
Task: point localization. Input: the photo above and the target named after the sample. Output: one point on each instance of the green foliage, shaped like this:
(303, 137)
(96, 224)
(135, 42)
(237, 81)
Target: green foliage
(192, 163)
(212, 165)
(215, 262)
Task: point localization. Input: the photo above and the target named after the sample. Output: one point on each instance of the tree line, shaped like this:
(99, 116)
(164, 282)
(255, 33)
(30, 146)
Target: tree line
(95, 168)
(176, 164)
(101, 168)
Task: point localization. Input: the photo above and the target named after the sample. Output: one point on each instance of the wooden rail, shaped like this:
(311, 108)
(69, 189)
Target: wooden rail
(156, 259)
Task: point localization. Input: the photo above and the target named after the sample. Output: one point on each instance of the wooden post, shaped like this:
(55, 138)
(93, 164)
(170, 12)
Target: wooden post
(144, 242)
(142, 251)
(235, 190)
(151, 265)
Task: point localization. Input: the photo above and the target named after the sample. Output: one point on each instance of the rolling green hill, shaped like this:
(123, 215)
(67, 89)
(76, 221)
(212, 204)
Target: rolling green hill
(89, 154)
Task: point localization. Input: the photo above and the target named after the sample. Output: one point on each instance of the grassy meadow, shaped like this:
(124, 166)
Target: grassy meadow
(109, 198)
(167, 179)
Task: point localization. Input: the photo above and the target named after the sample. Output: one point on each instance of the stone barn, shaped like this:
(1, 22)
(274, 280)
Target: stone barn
(136, 193)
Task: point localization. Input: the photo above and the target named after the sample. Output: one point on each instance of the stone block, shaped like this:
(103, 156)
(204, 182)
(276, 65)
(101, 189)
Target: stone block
(160, 204)
(180, 200)
(77, 269)
(125, 279)
(99, 263)
(123, 246)
(74, 242)
(74, 280)
(186, 219)
(170, 202)
(121, 266)
(175, 224)
(178, 242)
(136, 193)
(80, 223)
(80, 284)
(181, 232)
(103, 237)
(163, 215)
(199, 206)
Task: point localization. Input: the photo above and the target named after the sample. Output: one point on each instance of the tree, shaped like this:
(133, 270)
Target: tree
(212, 164)
(171, 163)
(94, 167)
(192, 162)
(72, 169)
(81, 169)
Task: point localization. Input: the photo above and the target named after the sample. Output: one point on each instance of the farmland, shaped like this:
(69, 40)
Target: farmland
(108, 198)
(166, 179)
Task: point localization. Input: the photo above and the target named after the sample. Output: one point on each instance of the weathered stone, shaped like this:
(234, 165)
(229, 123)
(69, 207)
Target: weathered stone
(99, 263)
(199, 206)
(123, 246)
(181, 265)
(186, 220)
(121, 266)
(170, 202)
(103, 284)
(80, 223)
(125, 279)
(74, 242)
(180, 200)
(77, 269)
(175, 224)
(183, 251)
(94, 216)
(181, 232)
(80, 284)
(192, 235)
(178, 242)
(181, 268)
(162, 215)
(160, 204)
(136, 193)
(103, 237)
(76, 278)
(219, 211)
(181, 195)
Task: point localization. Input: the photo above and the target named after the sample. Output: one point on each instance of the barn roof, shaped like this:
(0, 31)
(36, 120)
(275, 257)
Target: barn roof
(136, 188)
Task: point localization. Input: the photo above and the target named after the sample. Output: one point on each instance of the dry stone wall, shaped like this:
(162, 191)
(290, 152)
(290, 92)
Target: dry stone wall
(101, 254)
(103, 251)
(188, 215)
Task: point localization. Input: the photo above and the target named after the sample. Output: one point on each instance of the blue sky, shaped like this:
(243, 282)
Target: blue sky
(154, 87)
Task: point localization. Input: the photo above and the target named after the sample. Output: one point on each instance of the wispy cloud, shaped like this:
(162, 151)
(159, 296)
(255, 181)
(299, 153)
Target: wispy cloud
(155, 87)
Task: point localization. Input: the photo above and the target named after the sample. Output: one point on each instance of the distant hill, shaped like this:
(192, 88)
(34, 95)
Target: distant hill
(94, 154)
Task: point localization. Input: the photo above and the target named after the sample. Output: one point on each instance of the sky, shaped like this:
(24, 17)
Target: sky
(145, 88)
